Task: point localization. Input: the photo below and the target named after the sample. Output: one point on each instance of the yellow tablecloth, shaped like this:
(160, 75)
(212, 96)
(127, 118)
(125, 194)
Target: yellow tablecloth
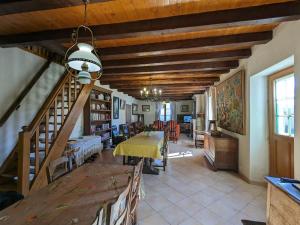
(145, 144)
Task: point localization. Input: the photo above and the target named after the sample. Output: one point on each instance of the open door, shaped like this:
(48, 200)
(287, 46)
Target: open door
(281, 123)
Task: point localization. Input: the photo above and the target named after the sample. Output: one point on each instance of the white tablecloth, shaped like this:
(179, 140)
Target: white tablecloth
(88, 145)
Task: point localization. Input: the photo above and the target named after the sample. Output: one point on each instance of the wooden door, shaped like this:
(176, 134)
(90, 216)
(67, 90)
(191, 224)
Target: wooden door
(281, 123)
(128, 113)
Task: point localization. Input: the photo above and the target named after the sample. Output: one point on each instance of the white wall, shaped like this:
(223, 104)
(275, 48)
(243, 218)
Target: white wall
(253, 148)
(17, 69)
(150, 116)
(186, 102)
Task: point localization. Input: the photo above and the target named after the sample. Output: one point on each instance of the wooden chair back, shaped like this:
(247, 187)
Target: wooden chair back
(124, 130)
(137, 174)
(99, 218)
(119, 209)
(135, 191)
(174, 130)
(57, 168)
(158, 125)
(131, 130)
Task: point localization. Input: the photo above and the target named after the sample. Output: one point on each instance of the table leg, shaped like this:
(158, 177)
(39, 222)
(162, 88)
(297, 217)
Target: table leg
(148, 168)
(70, 163)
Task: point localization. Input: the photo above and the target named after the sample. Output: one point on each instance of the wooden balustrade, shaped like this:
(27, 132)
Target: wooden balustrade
(36, 140)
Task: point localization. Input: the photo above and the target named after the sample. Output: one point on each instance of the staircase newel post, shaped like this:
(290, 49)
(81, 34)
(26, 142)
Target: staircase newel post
(24, 161)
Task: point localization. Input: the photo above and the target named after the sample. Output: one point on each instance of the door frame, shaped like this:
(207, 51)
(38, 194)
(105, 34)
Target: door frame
(271, 118)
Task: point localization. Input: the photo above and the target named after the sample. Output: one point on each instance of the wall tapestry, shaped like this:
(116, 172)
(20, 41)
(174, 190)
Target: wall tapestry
(231, 103)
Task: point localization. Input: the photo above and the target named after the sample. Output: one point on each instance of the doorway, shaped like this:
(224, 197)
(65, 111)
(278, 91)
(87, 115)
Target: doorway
(281, 123)
(128, 113)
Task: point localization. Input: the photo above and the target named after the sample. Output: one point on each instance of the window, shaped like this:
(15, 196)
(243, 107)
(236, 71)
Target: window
(284, 105)
(165, 112)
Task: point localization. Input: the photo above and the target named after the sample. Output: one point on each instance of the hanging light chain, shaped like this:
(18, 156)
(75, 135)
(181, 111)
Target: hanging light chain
(85, 11)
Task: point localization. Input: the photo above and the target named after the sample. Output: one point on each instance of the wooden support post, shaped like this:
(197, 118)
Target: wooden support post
(24, 161)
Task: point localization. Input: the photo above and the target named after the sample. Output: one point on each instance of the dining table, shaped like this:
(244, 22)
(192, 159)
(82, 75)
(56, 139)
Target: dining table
(145, 145)
(72, 199)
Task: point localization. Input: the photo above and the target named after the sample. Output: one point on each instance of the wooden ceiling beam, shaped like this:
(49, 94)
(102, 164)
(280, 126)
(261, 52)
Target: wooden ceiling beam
(264, 14)
(136, 77)
(204, 66)
(158, 82)
(22, 6)
(196, 79)
(169, 93)
(178, 59)
(170, 90)
(170, 85)
(180, 46)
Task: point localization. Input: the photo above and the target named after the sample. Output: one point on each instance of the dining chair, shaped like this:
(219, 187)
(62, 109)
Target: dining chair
(135, 191)
(57, 168)
(117, 138)
(174, 130)
(124, 130)
(131, 130)
(119, 210)
(158, 125)
(99, 218)
(164, 152)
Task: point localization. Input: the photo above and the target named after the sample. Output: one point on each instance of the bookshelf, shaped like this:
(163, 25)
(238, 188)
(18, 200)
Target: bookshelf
(97, 114)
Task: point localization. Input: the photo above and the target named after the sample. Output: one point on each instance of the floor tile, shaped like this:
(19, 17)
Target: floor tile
(207, 217)
(189, 206)
(144, 210)
(188, 193)
(159, 203)
(174, 215)
(223, 210)
(153, 220)
(191, 221)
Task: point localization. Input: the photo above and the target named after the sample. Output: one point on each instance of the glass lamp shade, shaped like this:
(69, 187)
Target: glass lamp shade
(84, 77)
(84, 55)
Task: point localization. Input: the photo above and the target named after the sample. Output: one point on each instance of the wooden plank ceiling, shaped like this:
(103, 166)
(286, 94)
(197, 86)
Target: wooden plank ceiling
(180, 46)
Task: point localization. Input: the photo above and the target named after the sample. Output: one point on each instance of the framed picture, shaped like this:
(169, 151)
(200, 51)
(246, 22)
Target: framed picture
(231, 112)
(184, 108)
(134, 109)
(122, 104)
(116, 107)
(146, 108)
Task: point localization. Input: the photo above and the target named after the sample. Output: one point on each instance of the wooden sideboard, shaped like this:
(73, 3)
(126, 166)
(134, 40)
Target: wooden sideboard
(283, 203)
(221, 151)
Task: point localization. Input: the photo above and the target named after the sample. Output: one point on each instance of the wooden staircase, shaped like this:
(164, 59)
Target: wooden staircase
(45, 138)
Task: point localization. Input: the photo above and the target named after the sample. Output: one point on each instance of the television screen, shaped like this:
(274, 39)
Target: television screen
(187, 119)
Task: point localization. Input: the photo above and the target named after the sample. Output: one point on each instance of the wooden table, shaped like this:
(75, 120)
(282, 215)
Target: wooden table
(75, 197)
(144, 145)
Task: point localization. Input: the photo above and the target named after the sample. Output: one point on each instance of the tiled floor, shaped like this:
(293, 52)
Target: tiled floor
(188, 193)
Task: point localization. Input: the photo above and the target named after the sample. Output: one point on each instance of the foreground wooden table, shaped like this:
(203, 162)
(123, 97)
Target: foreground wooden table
(72, 199)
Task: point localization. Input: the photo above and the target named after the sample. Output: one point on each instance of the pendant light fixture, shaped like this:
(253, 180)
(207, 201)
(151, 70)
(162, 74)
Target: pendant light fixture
(152, 94)
(85, 59)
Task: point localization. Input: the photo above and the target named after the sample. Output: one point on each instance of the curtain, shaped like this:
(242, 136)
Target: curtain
(158, 106)
(173, 110)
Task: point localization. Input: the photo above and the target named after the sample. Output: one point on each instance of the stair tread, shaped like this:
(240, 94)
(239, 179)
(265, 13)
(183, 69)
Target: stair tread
(9, 174)
(11, 186)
